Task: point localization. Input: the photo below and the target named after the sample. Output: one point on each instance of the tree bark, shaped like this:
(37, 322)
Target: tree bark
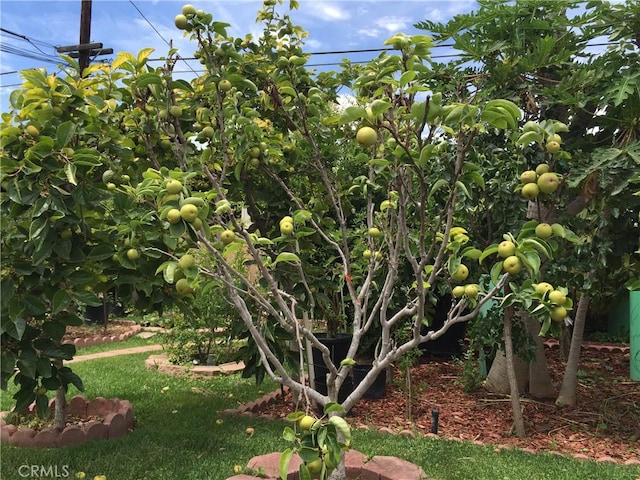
(59, 415)
(497, 380)
(518, 419)
(540, 383)
(567, 395)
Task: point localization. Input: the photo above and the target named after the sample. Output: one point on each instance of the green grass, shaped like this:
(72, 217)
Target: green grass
(177, 436)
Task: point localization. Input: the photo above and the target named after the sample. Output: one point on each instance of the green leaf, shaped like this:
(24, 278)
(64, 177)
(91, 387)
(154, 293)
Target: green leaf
(333, 407)
(147, 79)
(286, 257)
(285, 458)
(352, 113)
(441, 182)
(528, 138)
(27, 363)
(65, 133)
(67, 377)
(61, 300)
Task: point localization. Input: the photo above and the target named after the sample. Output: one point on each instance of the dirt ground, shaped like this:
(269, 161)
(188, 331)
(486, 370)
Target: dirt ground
(605, 423)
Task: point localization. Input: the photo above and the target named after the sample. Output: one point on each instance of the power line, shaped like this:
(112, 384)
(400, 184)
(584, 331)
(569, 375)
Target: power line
(159, 34)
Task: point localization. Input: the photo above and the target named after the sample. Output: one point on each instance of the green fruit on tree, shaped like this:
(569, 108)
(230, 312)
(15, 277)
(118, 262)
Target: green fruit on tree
(108, 175)
(285, 219)
(286, 228)
(183, 287)
(558, 314)
(542, 168)
(174, 186)
(66, 234)
(367, 137)
(255, 152)
(186, 261)
(367, 254)
(175, 110)
(557, 297)
(530, 191)
(133, 254)
(227, 237)
(189, 212)
(471, 291)
(111, 186)
(553, 146)
(544, 231)
(32, 131)
(542, 287)
(461, 273)
(188, 10)
(173, 216)
(315, 467)
(225, 85)
(197, 223)
(181, 22)
(306, 422)
(125, 178)
(506, 248)
(458, 291)
(548, 182)
(512, 265)
(208, 132)
(529, 176)
(375, 232)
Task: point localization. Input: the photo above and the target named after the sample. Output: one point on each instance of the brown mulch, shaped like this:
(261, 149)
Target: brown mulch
(605, 423)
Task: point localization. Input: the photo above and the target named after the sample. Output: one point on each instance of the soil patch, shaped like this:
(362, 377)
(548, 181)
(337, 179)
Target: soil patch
(91, 331)
(605, 425)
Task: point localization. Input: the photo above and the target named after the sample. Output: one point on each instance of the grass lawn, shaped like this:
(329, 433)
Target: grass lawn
(178, 437)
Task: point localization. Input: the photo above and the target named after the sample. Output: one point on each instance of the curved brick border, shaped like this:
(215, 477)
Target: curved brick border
(357, 466)
(161, 364)
(554, 344)
(118, 421)
(101, 339)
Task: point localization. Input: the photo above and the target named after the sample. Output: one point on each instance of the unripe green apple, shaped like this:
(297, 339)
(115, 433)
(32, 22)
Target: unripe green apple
(512, 265)
(461, 273)
(367, 137)
(543, 287)
(471, 291)
(32, 131)
(458, 291)
(181, 22)
(530, 191)
(186, 261)
(227, 237)
(174, 186)
(173, 216)
(542, 168)
(367, 254)
(183, 287)
(529, 176)
(133, 254)
(188, 10)
(175, 110)
(286, 228)
(558, 314)
(548, 182)
(506, 249)
(557, 297)
(225, 85)
(544, 231)
(375, 232)
(189, 212)
(553, 146)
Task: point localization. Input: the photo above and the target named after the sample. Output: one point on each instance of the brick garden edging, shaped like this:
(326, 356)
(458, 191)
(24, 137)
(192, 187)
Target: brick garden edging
(357, 466)
(162, 364)
(117, 422)
(102, 339)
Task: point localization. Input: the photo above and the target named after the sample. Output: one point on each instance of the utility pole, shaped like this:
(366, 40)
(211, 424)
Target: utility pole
(85, 50)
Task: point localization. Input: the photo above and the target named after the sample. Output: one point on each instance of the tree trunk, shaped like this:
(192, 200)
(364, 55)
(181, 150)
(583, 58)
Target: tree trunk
(540, 383)
(567, 395)
(497, 380)
(518, 419)
(59, 415)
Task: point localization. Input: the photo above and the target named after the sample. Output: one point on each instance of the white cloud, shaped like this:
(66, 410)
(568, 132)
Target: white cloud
(369, 32)
(435, 15)
(327, 11)
(393, 24)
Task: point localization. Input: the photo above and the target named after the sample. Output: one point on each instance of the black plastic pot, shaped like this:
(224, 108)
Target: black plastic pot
(377, 388)
(338, 347)
(449, 344)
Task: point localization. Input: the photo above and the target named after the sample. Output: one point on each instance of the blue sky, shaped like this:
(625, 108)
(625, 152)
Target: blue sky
(333, 25)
